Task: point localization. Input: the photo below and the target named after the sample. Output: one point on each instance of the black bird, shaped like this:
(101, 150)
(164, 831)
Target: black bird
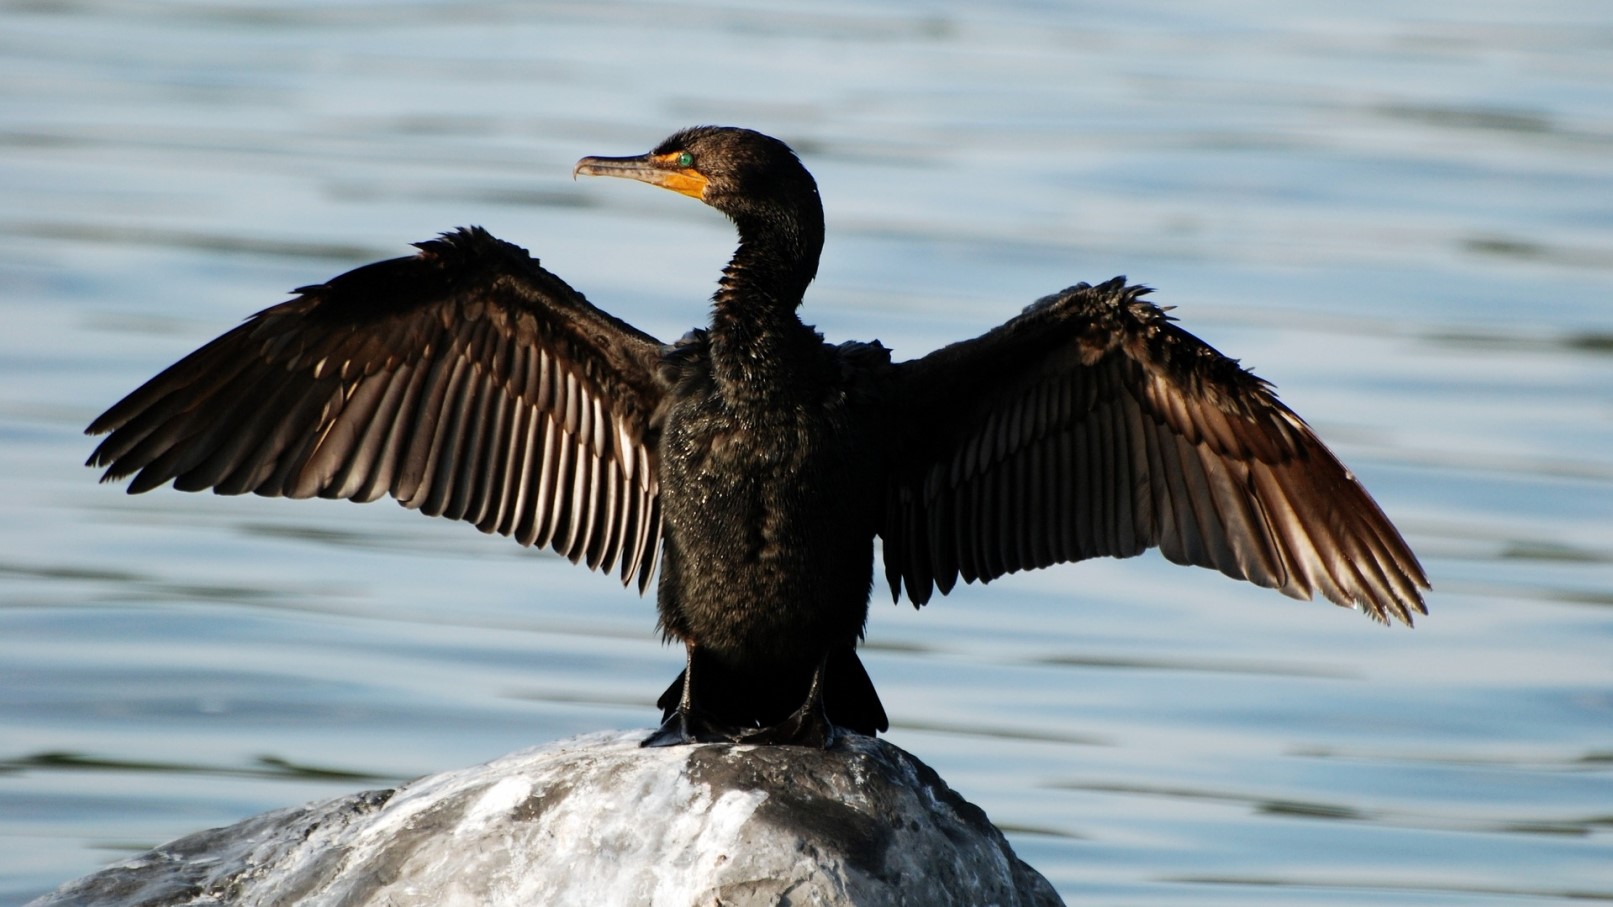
(753, 461)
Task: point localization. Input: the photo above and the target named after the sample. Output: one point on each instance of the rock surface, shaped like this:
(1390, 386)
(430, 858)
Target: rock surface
(600, 821)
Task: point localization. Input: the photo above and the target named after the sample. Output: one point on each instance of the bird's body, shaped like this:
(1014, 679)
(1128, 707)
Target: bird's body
(769, 504)
(758, 462)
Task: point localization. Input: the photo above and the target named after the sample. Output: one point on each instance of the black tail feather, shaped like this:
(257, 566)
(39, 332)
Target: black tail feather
(748, 699)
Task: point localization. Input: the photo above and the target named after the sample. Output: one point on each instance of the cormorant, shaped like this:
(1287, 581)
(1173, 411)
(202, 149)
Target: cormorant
(753, 461)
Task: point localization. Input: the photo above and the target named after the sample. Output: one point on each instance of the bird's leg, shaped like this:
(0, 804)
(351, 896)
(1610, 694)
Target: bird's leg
(808, 726)
(686, 724)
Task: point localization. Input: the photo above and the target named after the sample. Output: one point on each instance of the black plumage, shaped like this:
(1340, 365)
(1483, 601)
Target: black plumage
(754, 462)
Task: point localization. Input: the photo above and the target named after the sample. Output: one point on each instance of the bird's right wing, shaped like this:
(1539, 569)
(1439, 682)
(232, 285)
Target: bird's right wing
(466, 382)
(1092, 426)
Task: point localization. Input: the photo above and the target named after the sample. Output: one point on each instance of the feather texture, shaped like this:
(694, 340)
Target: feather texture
(466, 382)
(1092, 426)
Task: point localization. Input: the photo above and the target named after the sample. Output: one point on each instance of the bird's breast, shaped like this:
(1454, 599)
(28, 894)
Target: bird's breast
(769, 518)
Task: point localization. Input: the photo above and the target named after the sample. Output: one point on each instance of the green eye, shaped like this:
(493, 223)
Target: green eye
(685, 159)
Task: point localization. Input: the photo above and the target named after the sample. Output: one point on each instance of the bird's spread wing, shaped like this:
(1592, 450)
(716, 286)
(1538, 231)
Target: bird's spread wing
(466, 382)
(1091, 425)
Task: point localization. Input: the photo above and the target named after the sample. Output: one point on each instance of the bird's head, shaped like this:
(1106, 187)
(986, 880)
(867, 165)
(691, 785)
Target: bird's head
(751, 177)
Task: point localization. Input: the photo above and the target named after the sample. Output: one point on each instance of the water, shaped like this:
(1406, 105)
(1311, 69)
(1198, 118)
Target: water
(1403, 216)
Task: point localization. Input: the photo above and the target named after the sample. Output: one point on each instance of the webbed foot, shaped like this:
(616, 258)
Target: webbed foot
(687, 723)
(686, 726)
(808, 726)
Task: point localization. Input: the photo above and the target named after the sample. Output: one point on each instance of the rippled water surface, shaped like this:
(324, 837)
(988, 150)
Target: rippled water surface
(1402, 215)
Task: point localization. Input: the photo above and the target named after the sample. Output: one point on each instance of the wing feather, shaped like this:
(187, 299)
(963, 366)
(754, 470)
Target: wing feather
(465, 381)
(1091, 425)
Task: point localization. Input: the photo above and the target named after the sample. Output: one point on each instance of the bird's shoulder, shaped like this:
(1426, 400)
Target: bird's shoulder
(1116, 318)
(467, 266)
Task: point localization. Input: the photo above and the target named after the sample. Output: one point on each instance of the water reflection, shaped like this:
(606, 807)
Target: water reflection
(263, 767)
(1477, 118)
(1200, 665)
(192, 241)
(1579, 826)
(1391, 887)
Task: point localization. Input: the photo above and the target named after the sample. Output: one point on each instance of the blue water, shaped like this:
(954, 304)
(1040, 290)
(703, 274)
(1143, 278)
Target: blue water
(1401, 214)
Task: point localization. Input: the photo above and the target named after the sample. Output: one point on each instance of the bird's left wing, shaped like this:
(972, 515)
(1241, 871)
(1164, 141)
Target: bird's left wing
(1091, 425)
(466, 382)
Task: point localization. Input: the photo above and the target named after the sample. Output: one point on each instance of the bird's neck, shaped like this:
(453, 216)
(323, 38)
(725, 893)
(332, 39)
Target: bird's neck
(758, 343)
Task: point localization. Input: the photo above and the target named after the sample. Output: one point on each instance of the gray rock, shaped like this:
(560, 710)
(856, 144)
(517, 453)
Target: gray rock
(600, 821)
